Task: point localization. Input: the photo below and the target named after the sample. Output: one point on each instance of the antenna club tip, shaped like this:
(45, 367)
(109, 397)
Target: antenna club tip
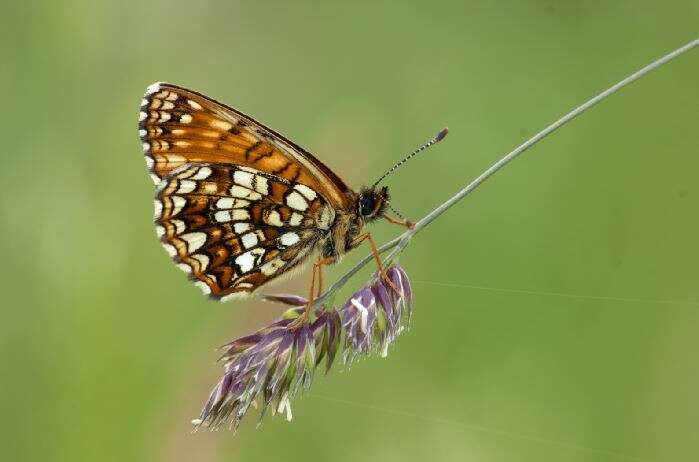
(440, 136)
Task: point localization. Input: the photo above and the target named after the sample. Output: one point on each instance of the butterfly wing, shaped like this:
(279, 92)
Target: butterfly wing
(233, 228)
(237, 204)
(179, 126)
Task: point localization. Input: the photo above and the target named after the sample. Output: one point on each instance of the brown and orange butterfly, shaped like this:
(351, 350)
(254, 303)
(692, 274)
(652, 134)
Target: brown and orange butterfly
(238, 205)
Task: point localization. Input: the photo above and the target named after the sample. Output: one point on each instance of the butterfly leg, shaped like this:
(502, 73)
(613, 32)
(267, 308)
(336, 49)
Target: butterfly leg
(407, 223)
(320, 263)
(377, 256)
(313, 295)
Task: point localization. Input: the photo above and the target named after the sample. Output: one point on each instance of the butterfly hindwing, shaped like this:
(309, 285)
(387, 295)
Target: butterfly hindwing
(234, 228)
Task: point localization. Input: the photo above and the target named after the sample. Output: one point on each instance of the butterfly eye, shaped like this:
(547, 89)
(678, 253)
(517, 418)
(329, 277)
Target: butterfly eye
(366, 204)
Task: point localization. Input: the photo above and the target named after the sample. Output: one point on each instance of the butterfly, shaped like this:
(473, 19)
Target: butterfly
(238, 205)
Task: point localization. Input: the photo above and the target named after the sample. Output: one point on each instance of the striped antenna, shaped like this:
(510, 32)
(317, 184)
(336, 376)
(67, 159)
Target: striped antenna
(396, 212)
(440, 136)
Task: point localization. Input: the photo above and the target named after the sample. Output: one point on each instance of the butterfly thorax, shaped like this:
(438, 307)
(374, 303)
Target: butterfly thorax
(347, 227)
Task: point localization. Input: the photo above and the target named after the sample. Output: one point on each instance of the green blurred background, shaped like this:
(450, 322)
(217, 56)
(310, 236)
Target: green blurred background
(557, 308)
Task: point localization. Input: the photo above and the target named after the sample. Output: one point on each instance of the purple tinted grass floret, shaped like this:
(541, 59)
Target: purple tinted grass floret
(275, 364)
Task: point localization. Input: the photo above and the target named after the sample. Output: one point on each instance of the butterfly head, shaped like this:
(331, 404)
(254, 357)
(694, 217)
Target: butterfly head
(371, 203)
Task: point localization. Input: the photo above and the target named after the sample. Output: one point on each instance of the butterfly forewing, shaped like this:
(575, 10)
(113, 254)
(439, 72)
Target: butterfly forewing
(179, 126)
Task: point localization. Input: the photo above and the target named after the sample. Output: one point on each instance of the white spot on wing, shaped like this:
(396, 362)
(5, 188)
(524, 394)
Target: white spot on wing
(186, 173)
(142, 132)
(185, 267)
(244, 193)
(274, 219)
(245, 261)
(149, 162)
(239, 191)
(185, 118)
(152, 88)
(249, 240)
(142, 116)
(177, 202)
(159, 231)
(170, 250)
(240, 214)
(241, 227)
(222, 216)
(225, 203)
(158, 208)
(164, 117)
(194, 240)
(194, 104)
(261, 185)
(221, 124)
(296, 201)
(186, 186)
(179, 226)
(243, 178)
(202, 174)
(295, 219)
(288, 239)
(307, 192)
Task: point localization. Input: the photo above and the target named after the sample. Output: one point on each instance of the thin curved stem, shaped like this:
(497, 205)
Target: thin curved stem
(400, 242)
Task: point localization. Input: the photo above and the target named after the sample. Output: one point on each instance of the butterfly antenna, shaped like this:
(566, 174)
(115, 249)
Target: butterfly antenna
(440, 136)
(405, 221)
(395, 211)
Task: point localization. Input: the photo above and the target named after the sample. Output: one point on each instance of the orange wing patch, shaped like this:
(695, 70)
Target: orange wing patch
(179, 127)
